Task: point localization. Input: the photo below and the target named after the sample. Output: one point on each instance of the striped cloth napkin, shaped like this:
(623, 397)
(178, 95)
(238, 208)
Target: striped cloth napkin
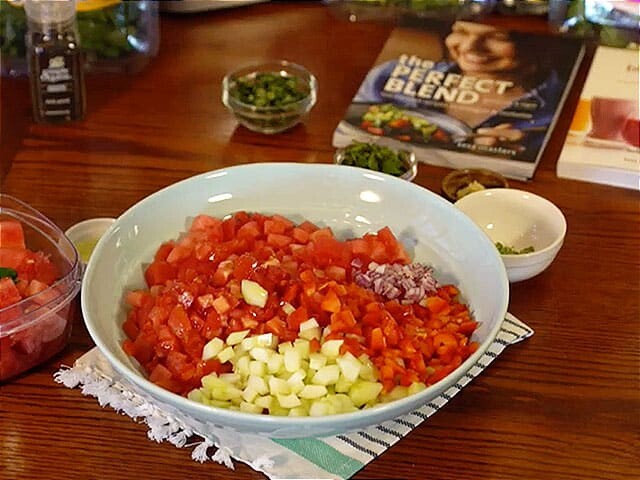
(337, 457)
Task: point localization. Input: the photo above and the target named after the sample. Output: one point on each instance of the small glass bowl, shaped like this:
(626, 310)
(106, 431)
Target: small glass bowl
(459, 179)
(270, 120)
(410, 161)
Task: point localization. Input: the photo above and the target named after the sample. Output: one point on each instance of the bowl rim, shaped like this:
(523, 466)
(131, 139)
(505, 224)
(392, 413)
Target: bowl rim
(266, 423)
(515, 192)
(300, 72)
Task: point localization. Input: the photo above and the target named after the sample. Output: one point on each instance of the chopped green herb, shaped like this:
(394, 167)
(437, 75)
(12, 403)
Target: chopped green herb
(376, 157)
(8, 272)
(507, 250)
(269, 90)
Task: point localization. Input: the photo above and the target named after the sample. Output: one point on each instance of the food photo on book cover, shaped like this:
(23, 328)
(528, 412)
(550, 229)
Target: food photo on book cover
(603, 142)
(464, 88)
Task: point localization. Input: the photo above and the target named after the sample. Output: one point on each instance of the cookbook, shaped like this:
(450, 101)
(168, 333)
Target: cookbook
(603, 143)
(464, 95)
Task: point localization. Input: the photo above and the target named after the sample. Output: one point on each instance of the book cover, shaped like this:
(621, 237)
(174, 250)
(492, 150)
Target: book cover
(603, 143)
(464, 94)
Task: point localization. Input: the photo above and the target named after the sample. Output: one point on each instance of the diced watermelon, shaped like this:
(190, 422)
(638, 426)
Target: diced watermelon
(9, 293)
(12, 257)
(11, 234)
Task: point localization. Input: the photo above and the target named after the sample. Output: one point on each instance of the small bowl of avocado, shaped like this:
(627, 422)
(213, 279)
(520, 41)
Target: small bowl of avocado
(460, 183)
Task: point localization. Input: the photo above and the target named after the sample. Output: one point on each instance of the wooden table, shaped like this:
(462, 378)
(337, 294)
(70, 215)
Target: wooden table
(564, 404)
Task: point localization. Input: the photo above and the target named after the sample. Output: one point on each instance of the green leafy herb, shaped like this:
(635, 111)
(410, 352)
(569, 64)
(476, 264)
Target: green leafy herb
(8, 272)
(269, 90)
(508, 250)
(376, 157)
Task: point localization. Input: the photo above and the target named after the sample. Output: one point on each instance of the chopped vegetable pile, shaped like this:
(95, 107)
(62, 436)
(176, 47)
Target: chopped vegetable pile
(391, 121)
(508, 250)
(258, 314)
(376, 157)
(269, 89)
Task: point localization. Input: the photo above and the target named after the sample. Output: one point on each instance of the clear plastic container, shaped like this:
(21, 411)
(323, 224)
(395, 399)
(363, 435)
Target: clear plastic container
(394, 10)
(614, 23)
(37, 327)
(115, 36)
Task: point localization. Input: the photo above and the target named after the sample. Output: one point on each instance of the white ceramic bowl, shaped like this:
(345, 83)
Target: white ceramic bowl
(352, 201)
(85, 235)
(518, 219)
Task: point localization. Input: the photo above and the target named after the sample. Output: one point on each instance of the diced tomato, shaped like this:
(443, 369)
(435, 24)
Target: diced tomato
(275, 226)
(159, 272)
(277, 327)
(161, 376)
(436, 304)
(467, 328)
(221, 305)
(394, 248)
(179, 321)
(377, 341)
(164, 251)
(134, 298)
(210, 225)
(211, 366)
(300, 235)
(229, 226)
(320, 233)
(288, 224)
(11, 234)
(331, 302)
(178, 253)
(250, 230)
(130, 326)
(337, 273)
(296, 318)
(277, 240)
(244, 266)
(314, 345)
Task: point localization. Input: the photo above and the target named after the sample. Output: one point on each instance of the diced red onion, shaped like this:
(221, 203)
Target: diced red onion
(406, 283)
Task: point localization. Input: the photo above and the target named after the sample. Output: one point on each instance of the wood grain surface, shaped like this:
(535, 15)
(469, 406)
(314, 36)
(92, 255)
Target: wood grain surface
(564, 404)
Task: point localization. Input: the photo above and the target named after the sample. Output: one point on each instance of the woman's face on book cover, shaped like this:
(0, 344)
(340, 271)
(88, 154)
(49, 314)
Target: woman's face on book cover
(481, 49)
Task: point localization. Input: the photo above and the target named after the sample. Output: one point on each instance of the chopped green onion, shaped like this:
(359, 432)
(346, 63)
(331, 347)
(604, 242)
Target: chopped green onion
(269, 90)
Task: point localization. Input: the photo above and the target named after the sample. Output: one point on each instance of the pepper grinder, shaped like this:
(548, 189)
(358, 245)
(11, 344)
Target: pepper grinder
(55, 61)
